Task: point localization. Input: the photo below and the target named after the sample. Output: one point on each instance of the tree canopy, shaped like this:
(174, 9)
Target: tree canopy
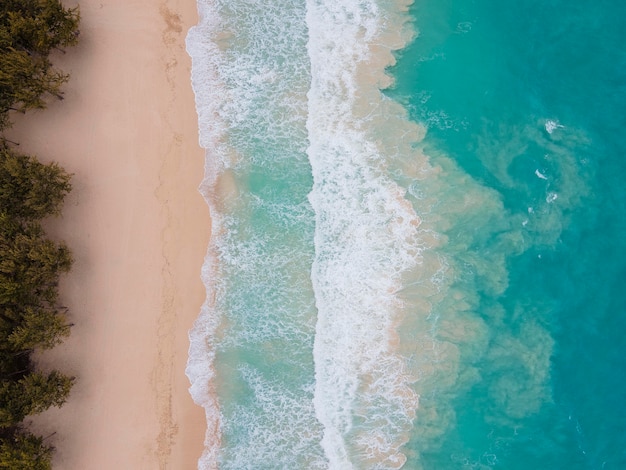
(25, 452)
(30, 263)
(31, 394)
(38, 26)
(28, 188)
(29, 31)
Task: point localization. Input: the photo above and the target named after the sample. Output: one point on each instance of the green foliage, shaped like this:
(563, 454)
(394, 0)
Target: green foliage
(31, 394)
(25, 80)
(20, 450)
(39, 327)
(29, 189)
(30, 263)
(29, 31)
(38, 26)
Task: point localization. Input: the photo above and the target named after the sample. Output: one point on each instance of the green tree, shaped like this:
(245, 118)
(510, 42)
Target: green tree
(38, 327)
(30, 189)
(25, 81)
(23, 451)
(29, 31)
(38, 26)
(32, 394)
(30, 264)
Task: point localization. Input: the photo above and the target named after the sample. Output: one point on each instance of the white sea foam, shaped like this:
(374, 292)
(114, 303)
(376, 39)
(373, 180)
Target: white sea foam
(367, 237)
(551, 125)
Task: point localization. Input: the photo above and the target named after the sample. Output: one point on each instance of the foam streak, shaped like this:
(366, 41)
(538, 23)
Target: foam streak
(365, 239)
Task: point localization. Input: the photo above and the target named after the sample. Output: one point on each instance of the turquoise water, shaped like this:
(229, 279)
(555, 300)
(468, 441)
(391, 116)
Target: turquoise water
(428, 277)
(487, 78)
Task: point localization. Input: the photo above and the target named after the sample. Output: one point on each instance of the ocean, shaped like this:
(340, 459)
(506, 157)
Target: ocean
(418, 243)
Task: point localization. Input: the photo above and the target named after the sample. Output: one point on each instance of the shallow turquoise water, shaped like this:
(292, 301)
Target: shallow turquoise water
(375, 297)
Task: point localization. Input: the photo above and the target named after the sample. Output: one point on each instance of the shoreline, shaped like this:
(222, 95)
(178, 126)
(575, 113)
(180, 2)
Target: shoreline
(138, 229)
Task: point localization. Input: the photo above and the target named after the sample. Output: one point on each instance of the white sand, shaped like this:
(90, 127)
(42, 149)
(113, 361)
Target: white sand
(138, 229)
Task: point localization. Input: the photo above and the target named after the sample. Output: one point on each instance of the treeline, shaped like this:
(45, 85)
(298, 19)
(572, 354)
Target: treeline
(31, 316)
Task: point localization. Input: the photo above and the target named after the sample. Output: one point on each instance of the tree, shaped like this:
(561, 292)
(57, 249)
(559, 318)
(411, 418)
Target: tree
(32, 394)
(38, 26)
(30, 264)
(30, 189)
(25, 81)
(40, 328)
(29, 31)
(23, 451)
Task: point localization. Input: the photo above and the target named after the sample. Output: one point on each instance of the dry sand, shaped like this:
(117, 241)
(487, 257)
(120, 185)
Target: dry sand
(138, 229)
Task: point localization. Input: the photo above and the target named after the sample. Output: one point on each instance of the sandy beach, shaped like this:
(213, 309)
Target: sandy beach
(138, 229)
